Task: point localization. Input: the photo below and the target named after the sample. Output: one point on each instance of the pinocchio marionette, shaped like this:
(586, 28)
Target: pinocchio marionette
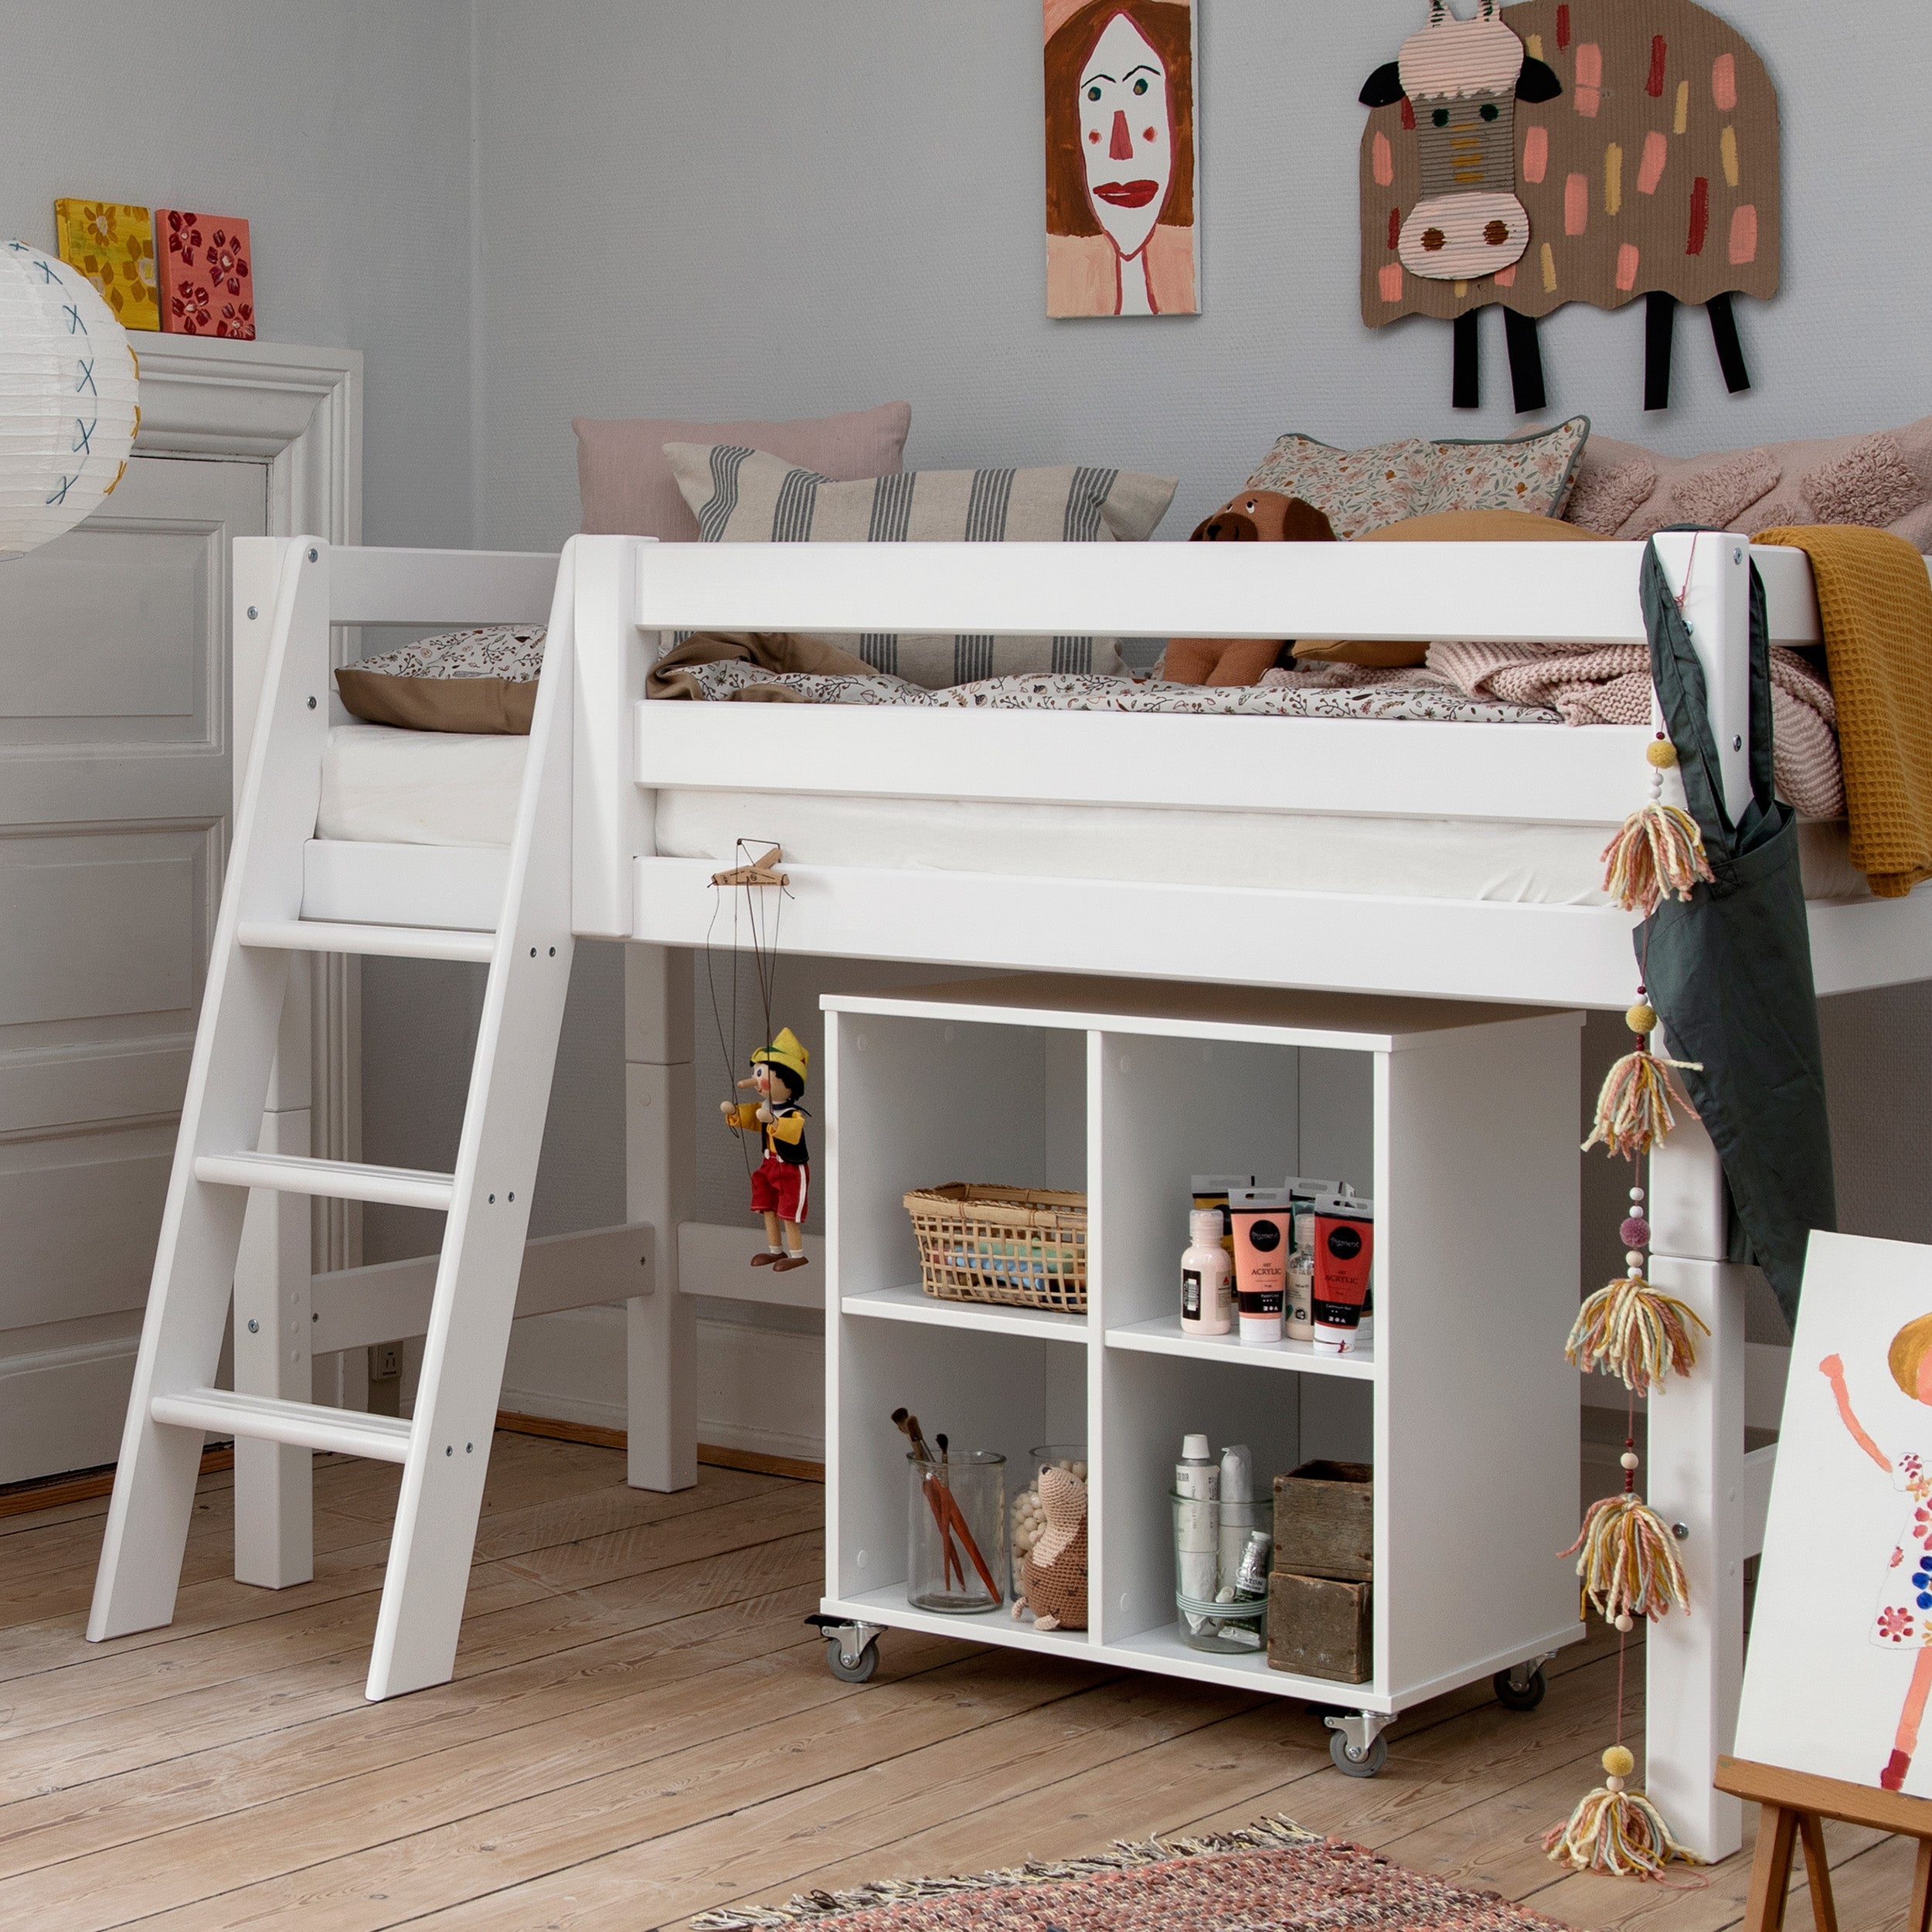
(781, 1186)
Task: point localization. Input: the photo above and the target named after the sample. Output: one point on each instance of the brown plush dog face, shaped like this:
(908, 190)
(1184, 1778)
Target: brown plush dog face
(1265, 516)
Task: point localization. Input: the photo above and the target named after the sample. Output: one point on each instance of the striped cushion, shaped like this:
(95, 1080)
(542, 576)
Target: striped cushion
(742, 496)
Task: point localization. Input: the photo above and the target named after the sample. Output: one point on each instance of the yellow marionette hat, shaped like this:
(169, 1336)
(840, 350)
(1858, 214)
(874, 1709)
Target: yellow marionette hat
(787, 1051)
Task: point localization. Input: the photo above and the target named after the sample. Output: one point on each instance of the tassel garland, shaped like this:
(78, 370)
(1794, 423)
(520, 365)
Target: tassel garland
(1615, 1830)
(1628, 1561)
(1657, 853)
(1635, 1332)
(1634, 1108)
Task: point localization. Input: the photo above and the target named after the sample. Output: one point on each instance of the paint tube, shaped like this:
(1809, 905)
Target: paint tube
(1211, 1190)
(1263, 1235)
(1344, 1250)
(1197, 1543)
(1237, 1489)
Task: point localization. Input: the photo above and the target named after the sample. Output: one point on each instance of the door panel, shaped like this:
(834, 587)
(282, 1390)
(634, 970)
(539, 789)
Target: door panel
(114, 797)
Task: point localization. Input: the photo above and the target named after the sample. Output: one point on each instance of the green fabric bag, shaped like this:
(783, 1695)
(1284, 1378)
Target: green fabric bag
(1730, 970)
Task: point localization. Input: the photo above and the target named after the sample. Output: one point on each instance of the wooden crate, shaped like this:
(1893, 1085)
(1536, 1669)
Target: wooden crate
(1325, 1521)
(1318, 1627)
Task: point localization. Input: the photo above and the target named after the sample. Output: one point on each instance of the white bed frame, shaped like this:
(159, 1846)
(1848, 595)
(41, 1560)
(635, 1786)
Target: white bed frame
(623, 751)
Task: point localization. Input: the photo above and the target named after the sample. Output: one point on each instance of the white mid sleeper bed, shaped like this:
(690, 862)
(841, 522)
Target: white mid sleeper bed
(1456, 860)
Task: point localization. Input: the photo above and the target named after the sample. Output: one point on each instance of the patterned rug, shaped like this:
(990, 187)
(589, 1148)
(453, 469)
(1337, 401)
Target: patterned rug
(1272, 1877)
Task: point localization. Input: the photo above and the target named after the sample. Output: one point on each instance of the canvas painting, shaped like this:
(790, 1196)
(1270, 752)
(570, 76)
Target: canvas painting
(112, 244)
(1123, 196)
(1840, 1661)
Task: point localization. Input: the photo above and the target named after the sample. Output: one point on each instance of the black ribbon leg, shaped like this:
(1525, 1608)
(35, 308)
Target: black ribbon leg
(1525, 361)
(1660, 319)
(1465, 385)
(1730, 350)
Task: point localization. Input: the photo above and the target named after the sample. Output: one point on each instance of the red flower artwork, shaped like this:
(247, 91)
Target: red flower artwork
(207, 282)
(1894, 1624)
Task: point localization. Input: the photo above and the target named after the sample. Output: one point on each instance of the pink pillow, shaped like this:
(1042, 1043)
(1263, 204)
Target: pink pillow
(1882, 479)
(629, 490)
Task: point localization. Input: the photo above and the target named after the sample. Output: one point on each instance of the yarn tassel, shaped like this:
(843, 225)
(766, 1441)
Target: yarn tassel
(1628, 1560)
(1635, 1331)
(1633, 1109)
(1657, 854)
(1615, 1830)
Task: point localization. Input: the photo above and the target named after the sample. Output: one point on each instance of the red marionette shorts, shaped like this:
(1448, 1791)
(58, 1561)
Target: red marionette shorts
(781, 1187)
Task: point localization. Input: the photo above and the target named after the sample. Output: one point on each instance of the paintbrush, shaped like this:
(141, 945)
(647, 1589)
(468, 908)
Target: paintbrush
(907, 1424)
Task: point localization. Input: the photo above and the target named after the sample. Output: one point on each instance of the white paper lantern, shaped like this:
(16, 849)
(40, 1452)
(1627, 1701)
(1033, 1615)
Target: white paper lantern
(68, 412)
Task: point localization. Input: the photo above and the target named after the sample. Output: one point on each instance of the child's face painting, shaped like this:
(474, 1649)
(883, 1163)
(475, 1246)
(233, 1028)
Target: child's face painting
(1925, 1378)
(1127, 134)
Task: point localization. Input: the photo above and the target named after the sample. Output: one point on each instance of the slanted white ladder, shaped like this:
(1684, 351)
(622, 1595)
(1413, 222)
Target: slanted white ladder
(219, 1157)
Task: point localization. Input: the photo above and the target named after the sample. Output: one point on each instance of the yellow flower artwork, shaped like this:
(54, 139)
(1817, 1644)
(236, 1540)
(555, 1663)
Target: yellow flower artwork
(112, 244)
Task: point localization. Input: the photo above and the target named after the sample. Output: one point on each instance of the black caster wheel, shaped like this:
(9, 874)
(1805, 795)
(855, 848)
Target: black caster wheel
(856, 1670)
(1371, 1761)
(1513, 1696)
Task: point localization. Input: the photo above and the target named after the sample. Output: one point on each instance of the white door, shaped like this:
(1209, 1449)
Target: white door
(114, 796)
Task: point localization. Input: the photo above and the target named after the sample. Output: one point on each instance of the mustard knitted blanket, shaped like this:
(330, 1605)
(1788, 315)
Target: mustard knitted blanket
(1874, 599)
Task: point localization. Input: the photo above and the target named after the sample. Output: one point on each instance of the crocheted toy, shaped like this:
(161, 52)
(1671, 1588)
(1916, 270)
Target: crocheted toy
(1252, 516)
(1053, 1574)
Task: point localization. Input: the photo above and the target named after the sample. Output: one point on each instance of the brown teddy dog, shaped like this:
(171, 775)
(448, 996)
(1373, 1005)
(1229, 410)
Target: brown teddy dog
(1252, 516)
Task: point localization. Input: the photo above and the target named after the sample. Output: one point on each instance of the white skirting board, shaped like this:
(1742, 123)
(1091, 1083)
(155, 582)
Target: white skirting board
(761, 1390)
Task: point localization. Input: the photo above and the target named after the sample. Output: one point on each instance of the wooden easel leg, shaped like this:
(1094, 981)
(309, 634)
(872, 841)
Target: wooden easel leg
(1771, 1869)
(1818, 1873)
(1919, 1919)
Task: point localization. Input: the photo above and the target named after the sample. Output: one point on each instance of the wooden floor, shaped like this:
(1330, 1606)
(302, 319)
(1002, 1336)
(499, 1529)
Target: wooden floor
(641, 1728)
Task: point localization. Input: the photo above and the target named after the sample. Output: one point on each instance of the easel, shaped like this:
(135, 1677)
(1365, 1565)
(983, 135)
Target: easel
(1794, 1805)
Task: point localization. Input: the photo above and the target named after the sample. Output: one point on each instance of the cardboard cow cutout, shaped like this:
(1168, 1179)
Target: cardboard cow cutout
(1565, 151)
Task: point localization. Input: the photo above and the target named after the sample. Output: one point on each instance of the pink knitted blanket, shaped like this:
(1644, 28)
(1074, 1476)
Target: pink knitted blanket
(1590, 684)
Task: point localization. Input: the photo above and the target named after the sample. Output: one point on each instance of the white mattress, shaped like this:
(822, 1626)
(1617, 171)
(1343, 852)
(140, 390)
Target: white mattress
(432, 789)
(387, 787)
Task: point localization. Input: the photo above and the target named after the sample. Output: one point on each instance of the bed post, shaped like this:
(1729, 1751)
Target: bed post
(274, 1518)
(661, 1326)
(1695, 1664)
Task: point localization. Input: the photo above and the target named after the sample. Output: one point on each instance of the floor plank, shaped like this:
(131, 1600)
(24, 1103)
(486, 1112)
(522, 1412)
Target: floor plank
(641, 1728)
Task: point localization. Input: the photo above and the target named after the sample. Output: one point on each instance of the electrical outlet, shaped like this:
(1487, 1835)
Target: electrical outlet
(385, 1361)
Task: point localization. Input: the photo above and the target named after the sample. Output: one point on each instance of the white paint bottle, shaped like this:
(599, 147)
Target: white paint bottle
(1206, 1301)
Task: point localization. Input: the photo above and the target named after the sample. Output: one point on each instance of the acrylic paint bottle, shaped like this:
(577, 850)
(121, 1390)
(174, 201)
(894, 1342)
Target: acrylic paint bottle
(1263, 1237)
(1344, 1251)
(1207, 1301)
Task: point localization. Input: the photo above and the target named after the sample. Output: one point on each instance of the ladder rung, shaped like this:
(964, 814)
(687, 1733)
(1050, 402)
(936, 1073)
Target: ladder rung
(388, 942)
(333, 1180)
(302, 1425)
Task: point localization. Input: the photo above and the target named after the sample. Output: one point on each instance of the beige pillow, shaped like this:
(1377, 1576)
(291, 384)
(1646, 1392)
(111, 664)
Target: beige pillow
(741, 495)
(482, 682)
(629, 490)
(1882, 479)
(1360, 490)
(1451, 526)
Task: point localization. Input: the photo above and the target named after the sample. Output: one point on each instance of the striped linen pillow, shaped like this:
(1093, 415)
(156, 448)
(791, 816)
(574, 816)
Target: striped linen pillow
(741, 495)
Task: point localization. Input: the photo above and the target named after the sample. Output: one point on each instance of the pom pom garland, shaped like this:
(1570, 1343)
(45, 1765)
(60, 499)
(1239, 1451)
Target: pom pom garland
(1635, 1332)
(1634, 1108)
(1628, 1560)
(1634, 1233)
(1657, 854)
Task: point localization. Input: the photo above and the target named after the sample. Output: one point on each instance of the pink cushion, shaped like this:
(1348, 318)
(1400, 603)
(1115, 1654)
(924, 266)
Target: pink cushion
(1883, 478)
(629, 490)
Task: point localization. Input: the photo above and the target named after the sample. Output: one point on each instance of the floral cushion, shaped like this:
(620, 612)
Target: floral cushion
(482, 681)
(1360, 490)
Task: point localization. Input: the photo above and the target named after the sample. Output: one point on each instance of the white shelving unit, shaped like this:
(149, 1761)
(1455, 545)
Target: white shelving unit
(1459, 1119)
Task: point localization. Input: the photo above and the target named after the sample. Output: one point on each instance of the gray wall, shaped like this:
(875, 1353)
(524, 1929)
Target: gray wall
(768, 208)
(340, 129)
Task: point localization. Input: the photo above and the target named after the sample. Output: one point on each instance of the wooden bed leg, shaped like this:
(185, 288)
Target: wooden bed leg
(275, 1495)
(662, 1326)
(1694, 1475)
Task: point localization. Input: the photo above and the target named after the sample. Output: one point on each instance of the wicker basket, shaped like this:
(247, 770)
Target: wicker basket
(1022, 1247)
